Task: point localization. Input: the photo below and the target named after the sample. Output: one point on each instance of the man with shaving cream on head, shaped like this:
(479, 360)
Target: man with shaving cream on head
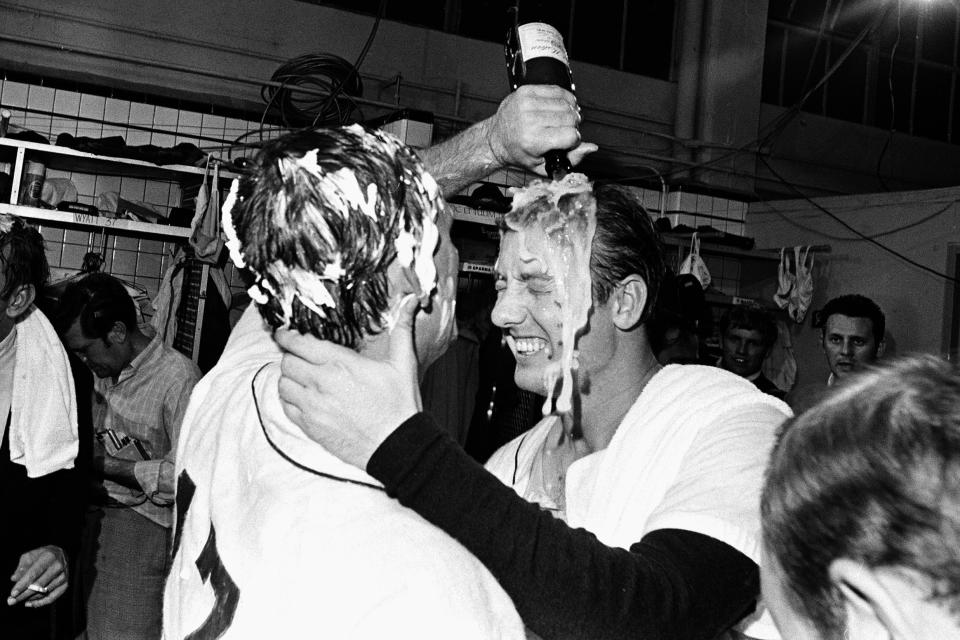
(344, 237)
(656, 470)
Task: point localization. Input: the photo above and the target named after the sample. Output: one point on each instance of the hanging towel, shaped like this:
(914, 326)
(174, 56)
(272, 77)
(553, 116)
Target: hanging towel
(694, 264)
(785, 281)
(167, 300)
(802, 292)
(43, 430)
(205, 227)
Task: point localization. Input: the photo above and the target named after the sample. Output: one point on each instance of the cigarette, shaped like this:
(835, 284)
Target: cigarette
(33, 586)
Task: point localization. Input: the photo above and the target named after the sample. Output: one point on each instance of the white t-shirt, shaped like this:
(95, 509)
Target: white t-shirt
(273, 548)
(690, 454)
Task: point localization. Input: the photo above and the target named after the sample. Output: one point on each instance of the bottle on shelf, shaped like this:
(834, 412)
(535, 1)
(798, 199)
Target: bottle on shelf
(535, 55)
(6, 181)
(33, 176)
(4, 122)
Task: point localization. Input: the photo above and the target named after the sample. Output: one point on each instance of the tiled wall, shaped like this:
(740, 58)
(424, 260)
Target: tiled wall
(117, 117)
(697, 210)
(138, 259)
(143, 261)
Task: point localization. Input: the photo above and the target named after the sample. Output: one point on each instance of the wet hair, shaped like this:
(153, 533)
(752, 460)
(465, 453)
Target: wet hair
(99, 301)
(625, 243)
(871, 473)
(750, 319)
(22, 256)
(319, 219)
(854, 305)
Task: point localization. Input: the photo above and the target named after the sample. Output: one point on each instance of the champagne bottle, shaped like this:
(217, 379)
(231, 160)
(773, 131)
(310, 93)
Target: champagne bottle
(535, 55)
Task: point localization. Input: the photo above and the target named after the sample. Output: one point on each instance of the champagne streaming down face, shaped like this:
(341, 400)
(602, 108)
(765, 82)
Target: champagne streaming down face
(564, 212)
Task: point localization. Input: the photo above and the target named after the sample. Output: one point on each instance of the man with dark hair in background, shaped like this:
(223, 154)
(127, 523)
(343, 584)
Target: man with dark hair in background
(140, 395)
(861, 510)
(852, 335)
(852, 327)
(746, 336)
(38, 419)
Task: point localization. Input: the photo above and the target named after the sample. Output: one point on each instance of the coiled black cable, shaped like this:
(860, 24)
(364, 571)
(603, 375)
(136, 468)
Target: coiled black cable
(325, 72)
(333, 84)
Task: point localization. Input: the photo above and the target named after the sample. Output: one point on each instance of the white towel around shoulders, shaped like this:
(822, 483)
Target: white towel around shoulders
(43, 428)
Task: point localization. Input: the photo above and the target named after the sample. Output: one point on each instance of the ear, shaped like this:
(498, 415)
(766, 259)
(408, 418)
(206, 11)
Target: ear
(20, 300)
(117, 333)
(401, 281)
(629, 300)
(873, 609)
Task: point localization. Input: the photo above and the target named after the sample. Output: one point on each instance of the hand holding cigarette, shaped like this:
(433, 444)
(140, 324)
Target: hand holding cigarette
(40, 578)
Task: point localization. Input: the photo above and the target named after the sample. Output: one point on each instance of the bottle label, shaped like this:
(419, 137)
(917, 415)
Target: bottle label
(32, 183)
(540, 40)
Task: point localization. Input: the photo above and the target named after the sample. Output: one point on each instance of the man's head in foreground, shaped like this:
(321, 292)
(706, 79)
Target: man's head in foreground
(23, 270)
(861, 510)
(336, 227)
(746, 335)
(852, 334)
(626, 269)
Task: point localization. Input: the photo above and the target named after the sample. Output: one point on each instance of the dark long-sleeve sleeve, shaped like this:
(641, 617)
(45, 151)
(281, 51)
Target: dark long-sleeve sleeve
(564, 582)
